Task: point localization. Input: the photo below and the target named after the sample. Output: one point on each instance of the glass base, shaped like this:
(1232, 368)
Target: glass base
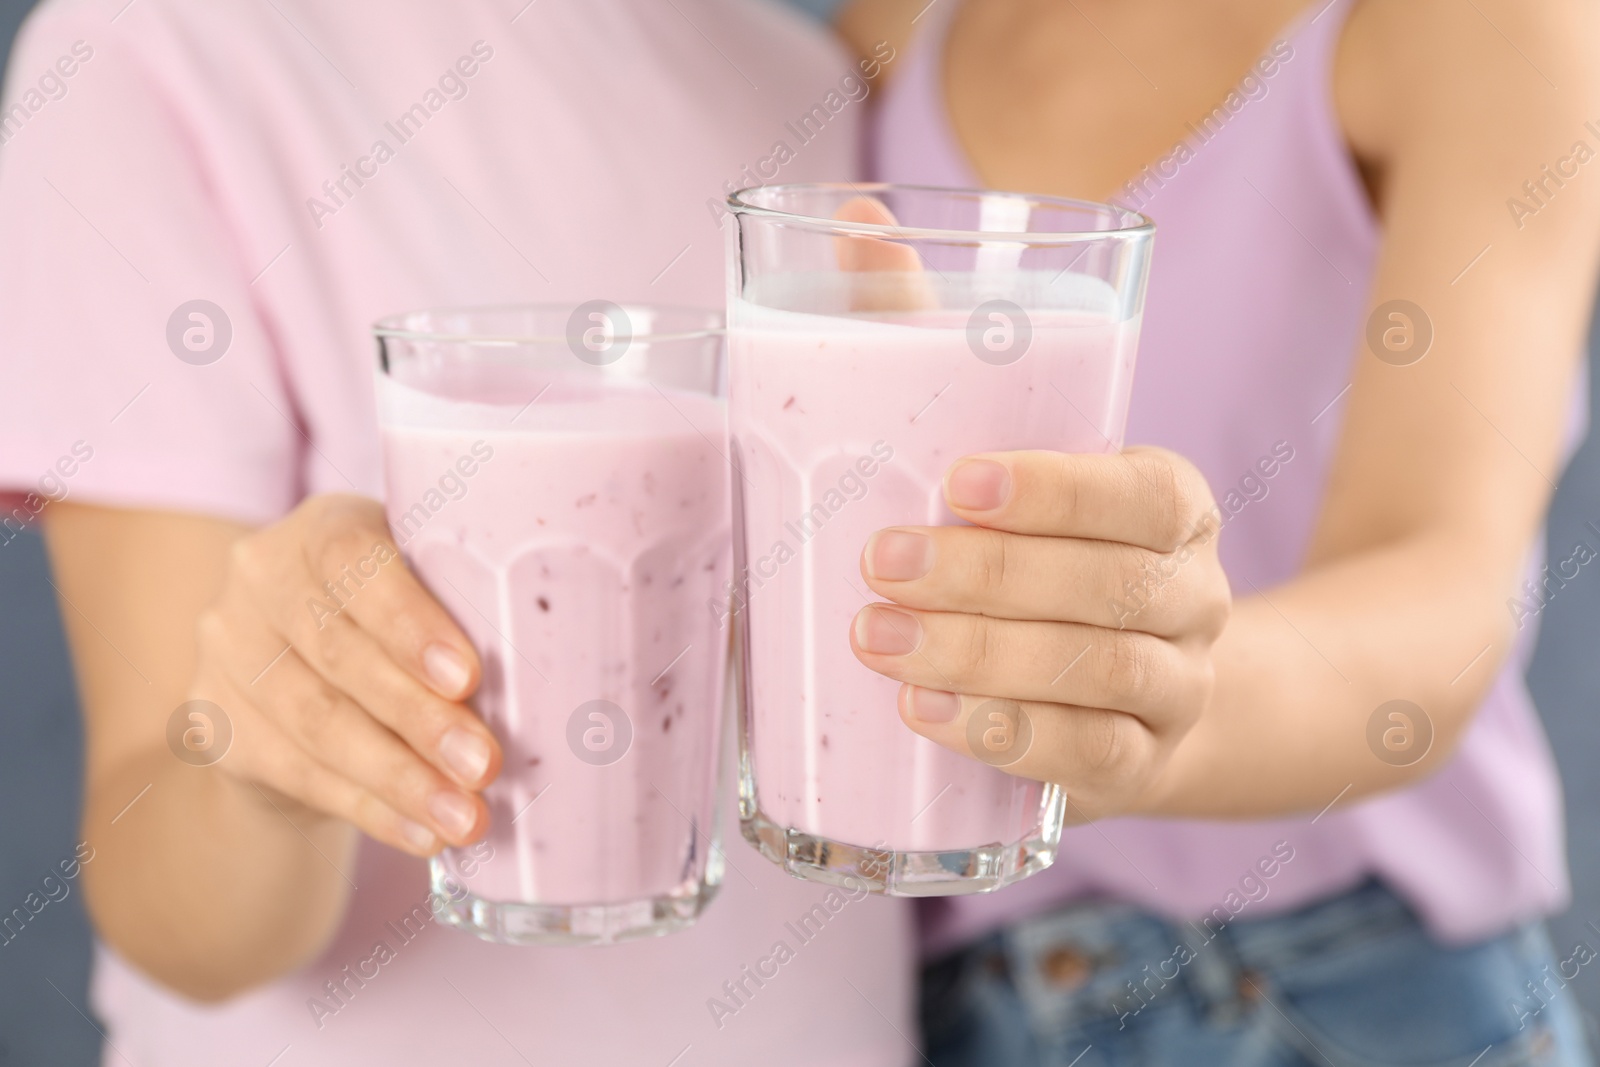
(892, 873)
(565, 924)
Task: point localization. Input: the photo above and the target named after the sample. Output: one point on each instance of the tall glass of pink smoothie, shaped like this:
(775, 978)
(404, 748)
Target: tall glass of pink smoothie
(558, 479)
(876, 335)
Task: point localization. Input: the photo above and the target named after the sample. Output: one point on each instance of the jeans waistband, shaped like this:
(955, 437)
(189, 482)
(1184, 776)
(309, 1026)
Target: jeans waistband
(1119, 961)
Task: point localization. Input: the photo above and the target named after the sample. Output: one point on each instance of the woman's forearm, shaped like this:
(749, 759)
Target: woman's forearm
(1303, 668)
(196, 879)
(206, 888)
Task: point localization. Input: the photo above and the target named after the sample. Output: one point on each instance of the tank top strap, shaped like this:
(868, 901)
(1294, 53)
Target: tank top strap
(911, 120)
(925, 45)
(1314, 35)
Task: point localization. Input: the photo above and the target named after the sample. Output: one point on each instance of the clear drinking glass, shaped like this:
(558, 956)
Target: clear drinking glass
(865, 357)
(557, 479)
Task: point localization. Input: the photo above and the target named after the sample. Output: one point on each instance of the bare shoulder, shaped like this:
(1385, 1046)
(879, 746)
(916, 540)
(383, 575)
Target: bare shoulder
(1511, 75)
(867, 25)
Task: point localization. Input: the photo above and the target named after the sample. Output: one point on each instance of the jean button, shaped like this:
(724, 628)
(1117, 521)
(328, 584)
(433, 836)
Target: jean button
(1064, 968)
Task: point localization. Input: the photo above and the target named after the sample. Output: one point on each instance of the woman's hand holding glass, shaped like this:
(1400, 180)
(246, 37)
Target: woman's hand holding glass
(1087, 592)
(344, 680)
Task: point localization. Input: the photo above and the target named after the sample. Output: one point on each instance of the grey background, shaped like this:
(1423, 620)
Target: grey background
(821, 9)
(43, 972)
(1565, 679)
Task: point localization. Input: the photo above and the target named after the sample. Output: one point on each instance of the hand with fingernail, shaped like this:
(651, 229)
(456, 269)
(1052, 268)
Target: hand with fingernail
(1087, 590)
(345, 680)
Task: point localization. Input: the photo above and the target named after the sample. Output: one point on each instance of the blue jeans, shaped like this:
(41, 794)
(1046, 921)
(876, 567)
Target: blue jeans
(1353, 981)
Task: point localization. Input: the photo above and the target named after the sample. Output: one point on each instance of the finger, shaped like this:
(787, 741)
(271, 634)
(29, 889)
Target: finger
(444, 732)
(355, 564)
(1065, 663)
(1063, 579)
(1147, 497)
(343, 738)
(897, 281)
(264, 755)
(1093, 753)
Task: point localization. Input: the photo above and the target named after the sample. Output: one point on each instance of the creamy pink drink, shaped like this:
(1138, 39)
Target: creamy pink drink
(575, 528)
(878, 333)
(843, 425)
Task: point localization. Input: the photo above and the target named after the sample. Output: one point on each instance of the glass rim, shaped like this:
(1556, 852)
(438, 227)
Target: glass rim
(739, 203)
(396, 326)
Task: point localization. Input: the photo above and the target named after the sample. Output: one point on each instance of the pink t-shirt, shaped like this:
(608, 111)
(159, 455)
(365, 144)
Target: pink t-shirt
(304, 168)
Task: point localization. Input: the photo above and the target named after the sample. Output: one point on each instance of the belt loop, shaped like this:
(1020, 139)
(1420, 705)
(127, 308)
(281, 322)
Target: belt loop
(1214, 972)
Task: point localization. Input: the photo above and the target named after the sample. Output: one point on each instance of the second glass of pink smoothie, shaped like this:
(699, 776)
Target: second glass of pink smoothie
(876, 335)
(558, 479)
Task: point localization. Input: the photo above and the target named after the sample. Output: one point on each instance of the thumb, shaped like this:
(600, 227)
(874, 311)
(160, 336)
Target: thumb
(893, 277)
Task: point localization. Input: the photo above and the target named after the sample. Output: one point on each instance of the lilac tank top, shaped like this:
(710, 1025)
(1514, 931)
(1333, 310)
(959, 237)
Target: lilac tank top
(1265, 251)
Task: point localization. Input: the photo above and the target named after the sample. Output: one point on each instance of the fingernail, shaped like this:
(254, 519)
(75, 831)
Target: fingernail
(465, 752)
(977, 485)
(899, 556)
(447, 669)
(417, 836)
(887, 632)
(453, 812)
(932, 705)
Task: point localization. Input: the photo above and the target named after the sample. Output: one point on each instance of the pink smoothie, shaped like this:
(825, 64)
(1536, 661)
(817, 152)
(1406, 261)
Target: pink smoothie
(576, 543)
(843, 426)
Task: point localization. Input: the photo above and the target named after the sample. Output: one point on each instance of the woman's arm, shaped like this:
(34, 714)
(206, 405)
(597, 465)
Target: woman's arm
(1439, 487)
(1445, 467)
(185, 863)
(214, 878)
